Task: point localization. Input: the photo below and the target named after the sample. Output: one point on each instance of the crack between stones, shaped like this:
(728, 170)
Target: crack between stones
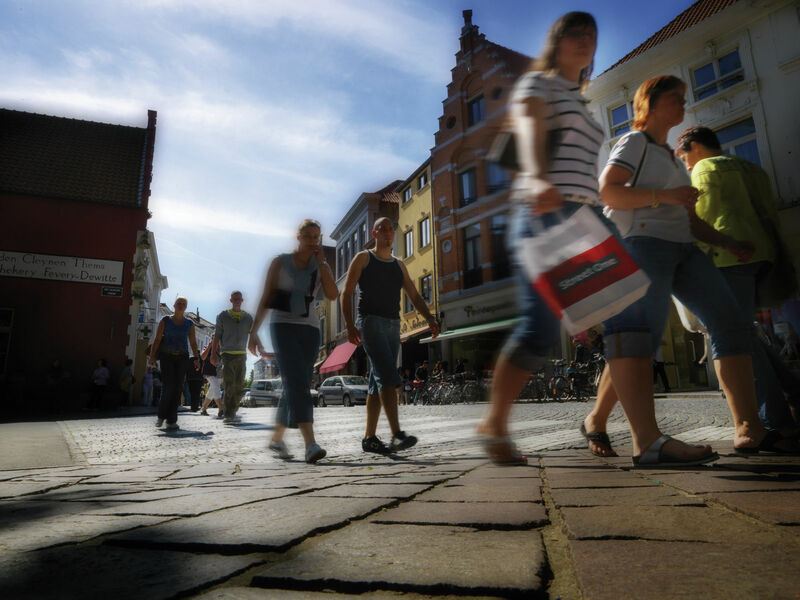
(562, 580)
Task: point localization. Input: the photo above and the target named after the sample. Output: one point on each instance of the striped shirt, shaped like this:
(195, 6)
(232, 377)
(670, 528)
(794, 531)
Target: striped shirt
(574, 137)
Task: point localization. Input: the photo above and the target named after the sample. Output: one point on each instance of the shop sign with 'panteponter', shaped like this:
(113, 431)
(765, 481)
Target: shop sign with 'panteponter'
(52, 267)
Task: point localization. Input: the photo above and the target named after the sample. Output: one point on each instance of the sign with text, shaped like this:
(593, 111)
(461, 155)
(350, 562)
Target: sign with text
(113, 292)
(31, 265)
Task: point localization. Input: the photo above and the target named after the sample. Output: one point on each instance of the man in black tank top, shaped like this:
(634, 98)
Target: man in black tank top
(380, 277)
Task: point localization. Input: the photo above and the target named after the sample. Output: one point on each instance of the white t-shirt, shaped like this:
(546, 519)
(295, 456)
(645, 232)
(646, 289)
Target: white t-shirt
(652, 166)
(574, 137)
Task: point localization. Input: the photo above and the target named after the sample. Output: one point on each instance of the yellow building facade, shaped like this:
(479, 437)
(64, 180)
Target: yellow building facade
(416, 247)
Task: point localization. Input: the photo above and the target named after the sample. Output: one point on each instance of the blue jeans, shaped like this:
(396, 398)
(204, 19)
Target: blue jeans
(776, 385)
(381, 340)
(173, 377)
(296, 347)
(539, 329)
(682, 270)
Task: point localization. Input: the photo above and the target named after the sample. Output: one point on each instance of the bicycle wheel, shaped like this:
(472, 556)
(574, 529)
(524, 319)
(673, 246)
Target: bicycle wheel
(559, 389)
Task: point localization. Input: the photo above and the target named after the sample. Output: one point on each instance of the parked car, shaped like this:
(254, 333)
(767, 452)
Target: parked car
(315, 396)
(346, 390)
(264, 392)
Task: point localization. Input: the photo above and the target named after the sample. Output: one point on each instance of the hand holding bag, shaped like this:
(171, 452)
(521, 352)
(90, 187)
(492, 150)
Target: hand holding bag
(581, 270)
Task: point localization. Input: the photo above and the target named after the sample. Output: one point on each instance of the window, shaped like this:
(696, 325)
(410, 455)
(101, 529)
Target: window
(356, 247)
(473, 274)
(717, 75)
(422, 181)
(475, 112)
(425, 288)
(424, 232)
(407, 194)
(348, 251)
(621, 119)
(363, 234)
(342, 265)
(498, 177)
(407, 305)
(501, 266)
(467, 184)
(408, 243)
(740, 139)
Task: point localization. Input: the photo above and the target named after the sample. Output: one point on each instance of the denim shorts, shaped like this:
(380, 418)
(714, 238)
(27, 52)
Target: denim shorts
(682, 270)
(381, 340)
(539, 329)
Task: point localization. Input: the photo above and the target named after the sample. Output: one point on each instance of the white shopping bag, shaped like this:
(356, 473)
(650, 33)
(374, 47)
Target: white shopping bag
(582, 271)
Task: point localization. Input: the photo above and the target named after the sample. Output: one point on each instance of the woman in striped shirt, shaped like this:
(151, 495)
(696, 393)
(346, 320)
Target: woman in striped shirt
(557, 145)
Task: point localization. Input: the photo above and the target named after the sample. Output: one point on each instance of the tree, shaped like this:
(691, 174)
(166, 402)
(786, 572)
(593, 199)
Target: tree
(249, 381)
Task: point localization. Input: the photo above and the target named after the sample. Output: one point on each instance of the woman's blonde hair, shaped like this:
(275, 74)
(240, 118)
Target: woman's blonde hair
(308, 223)
(178, 299)
(547, 57)
(647, 94)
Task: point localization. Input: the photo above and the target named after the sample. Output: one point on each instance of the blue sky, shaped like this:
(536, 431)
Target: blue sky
(268, 111)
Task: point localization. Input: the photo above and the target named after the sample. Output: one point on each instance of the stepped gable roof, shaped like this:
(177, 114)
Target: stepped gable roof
(71, 159)
(696, 13)
(515, 61)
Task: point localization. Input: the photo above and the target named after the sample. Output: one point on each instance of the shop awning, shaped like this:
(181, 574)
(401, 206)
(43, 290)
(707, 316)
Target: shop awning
(413, 332)
(472, 330)
(338, 358)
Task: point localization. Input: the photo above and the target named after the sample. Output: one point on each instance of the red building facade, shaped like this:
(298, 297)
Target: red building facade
(74, 200)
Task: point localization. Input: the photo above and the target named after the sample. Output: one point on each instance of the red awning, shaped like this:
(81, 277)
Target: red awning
(338, 358)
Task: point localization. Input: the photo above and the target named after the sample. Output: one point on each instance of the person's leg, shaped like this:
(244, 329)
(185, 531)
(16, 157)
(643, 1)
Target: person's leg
(388, 398)
(373, 414)
(181, 365)
(309, 345)
(381, 340)
(167, 384)
(597, 420)
(700, 286)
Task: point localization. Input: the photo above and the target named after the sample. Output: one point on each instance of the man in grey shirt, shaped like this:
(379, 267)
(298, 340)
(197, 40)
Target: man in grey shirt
(230, 340)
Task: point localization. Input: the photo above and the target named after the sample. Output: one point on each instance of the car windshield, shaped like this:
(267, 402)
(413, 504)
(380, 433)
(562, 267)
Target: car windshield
(354, 380)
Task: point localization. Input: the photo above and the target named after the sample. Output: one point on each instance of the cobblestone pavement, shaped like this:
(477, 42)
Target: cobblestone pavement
(443, 431)
(208, 513)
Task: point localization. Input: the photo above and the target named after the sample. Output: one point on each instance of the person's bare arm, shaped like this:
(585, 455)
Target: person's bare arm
(346, 298)
(156, 344)
(326, 276)
(193, 344)
(615, 194)
(703, 232)
(254, 345)
(418, 301)
(531, 131)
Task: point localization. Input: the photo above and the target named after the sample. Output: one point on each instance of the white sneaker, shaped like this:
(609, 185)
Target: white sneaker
(280, 449)
(172, 426)
(159, 422)
(314, 453)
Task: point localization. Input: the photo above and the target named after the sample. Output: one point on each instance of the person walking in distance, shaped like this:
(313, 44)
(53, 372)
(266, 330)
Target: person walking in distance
(170, 347)
(380, 277)
(212, 376)
(230, 340)
(293, 281)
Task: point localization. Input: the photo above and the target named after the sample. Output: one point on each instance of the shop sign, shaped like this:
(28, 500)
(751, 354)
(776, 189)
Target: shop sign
(52, 267)
(111, 292)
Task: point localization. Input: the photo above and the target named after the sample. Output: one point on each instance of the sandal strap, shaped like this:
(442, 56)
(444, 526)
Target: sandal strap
(652, 456)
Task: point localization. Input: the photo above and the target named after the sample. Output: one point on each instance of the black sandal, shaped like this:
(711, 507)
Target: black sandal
(598, 437)
(772, 443)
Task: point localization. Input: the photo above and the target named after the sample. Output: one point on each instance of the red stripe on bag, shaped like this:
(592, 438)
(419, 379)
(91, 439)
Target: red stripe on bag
(585, 274)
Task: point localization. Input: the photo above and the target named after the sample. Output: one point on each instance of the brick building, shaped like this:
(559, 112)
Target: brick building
(74, 196)
(470, 202)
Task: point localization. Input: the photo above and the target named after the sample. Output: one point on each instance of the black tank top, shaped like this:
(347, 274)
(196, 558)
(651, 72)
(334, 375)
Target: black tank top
(379, 288)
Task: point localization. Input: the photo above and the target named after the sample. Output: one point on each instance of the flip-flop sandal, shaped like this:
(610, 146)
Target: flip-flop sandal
(771, 443)
(651, 458)
(598, 437)
(501, 450)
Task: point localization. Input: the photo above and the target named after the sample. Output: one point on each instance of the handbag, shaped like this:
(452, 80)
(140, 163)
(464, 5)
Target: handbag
(581, 270)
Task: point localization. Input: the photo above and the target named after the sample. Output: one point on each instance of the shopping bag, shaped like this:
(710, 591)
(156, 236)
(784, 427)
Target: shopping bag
(581, 270)
(688, 319)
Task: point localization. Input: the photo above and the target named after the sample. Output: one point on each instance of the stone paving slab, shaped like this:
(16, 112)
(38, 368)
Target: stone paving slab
(614, 569)
(24, 535)
(373, 490)
(494, 472)
(411, 478)
(481, 515)
(672, 523)
(622, 497)
(142, 496)
(262, 526)
(103, 572)
(498, 491)
(248, 593)
(13, 489)
(198, 503)
(722, 481)
(423, 559)
(782, 508)
(81, 492)
(606, 478)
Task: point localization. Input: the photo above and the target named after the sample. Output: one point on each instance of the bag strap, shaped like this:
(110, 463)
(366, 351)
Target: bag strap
(641, 161)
